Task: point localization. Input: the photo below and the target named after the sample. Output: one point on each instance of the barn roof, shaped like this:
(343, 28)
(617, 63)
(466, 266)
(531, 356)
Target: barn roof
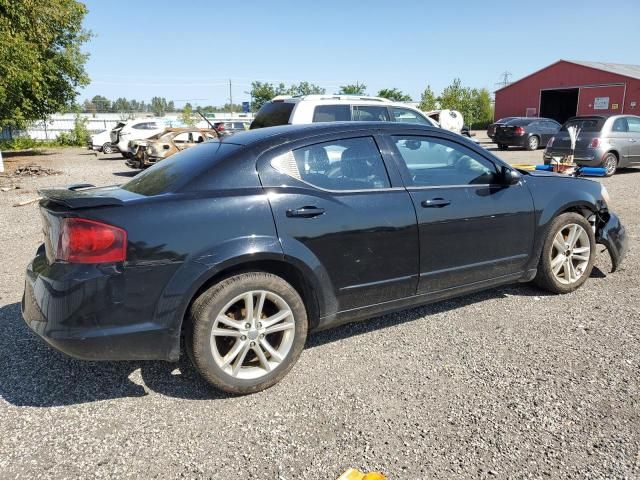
(632, 71)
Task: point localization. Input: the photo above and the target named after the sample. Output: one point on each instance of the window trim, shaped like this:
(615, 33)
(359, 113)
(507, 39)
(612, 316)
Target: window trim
(272, 155)
(401, 165)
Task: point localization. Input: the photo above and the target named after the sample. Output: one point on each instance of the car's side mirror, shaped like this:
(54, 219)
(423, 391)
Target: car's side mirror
(510, 176)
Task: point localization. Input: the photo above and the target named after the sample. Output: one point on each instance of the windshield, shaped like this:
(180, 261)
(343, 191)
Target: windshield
(587, 124)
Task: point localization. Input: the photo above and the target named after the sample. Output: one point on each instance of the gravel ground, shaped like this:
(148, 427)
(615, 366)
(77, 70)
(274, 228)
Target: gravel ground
(508, 383)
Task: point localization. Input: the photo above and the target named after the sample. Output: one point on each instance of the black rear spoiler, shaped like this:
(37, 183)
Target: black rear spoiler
(83, 195)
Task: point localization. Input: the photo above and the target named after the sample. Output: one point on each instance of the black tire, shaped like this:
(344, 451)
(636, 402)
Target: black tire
(107, 149)
(533, 143)
(210, 304)
(502, 146)
(545, 278)
(610, 164)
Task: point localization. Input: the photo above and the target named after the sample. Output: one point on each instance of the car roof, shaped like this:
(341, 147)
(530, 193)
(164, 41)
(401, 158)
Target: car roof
(330, 98)
(283, 133)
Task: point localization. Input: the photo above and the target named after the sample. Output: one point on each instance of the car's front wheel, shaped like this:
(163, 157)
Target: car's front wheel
(502, 146)
(107, 149)
(568, 254)
(247, 332)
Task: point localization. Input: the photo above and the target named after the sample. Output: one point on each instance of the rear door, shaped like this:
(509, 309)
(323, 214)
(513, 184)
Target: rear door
(472, 229)
(633, 123)
(336, 208)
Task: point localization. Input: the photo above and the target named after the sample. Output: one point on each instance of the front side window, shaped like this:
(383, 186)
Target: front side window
(404, 115)
(345, 164)
(433, 162)
(332, 113)
(370, 113)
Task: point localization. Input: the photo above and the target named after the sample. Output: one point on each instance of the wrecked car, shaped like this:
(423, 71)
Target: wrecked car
(147, 152)
(241, 247)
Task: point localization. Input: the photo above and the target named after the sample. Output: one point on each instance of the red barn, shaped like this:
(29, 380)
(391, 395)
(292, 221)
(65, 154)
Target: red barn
(567, 88)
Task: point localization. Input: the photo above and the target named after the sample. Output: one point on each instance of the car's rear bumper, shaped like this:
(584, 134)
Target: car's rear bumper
(83, 311)
(515, 141)
(613, 235)
(585, 159)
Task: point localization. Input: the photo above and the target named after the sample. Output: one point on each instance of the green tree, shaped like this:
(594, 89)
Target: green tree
(89, 107)
(262, 92)
(353, 89)
(121, 105)
(171, 106)
(455, 97)
(159, 106)
(41, 62)
(103, 104)
(394, 94)
(187, 116)
(306, 88)
(428, 100)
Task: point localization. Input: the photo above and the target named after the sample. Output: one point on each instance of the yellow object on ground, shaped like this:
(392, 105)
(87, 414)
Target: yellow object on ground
(353, 474)
(523, 166)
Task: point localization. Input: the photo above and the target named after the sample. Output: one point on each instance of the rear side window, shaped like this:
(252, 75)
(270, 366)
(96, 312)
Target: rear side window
(404, 115)
(272, 114)
(620, 125)
(585, 124)
(519, 121)
(178, 170)
(367, 113)
(332, 113)
(345, 164)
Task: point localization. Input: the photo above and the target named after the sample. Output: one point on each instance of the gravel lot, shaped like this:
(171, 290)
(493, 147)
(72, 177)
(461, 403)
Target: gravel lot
(509, 383)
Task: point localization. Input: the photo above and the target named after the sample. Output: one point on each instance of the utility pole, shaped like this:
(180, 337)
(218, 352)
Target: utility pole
(230, 95)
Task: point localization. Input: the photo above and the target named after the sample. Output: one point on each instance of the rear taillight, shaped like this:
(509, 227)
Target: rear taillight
(550, 142)
(519, 131)
(88, 241)
(595, 143)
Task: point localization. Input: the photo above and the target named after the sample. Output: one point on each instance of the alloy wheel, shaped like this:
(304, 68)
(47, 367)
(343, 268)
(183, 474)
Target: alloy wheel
(533, 143)
(106, 148)
(610, 164)
(253, 334)
(570, 254)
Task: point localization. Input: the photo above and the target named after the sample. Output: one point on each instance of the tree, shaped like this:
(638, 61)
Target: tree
(89, 107)
(121, 105)
(306, 88)
(103, 104)
(159, 106)
(42, 64)
(187, 115)
(428, 100)
(353, 89)
(394, 94)
(455, 97)
(171, 106)
(261, 93)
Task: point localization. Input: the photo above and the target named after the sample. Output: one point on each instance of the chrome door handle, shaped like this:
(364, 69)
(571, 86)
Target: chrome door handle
(435, 203)
(305, 212)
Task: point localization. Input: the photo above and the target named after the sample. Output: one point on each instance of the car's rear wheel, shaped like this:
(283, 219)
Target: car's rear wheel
(533, 143)
(610, 164)
(502, 146)
(106, 148)
(567, 255)
(247, 332)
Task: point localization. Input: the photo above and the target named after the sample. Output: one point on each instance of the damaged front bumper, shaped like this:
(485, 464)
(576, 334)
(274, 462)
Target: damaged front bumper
(611, 233)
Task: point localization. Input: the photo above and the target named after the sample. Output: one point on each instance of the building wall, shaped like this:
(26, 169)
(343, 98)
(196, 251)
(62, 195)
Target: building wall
(514, 99)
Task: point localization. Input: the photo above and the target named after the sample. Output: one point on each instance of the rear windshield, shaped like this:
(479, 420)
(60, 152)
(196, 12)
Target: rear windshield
(272, 114)
(593, 124)
(169, 175)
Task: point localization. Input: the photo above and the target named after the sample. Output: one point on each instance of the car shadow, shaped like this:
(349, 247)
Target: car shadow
(34, 374)
(131, 173)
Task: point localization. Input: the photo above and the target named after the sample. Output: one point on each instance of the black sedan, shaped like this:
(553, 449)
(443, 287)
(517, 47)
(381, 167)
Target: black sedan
(529, 133)
(244, 246)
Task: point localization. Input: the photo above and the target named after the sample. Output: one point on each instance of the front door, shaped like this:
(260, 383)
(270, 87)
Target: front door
(472, 229)
(336, 209)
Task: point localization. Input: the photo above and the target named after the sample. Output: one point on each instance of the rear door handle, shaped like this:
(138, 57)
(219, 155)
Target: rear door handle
(633, 140)
(435, 203)
(305, 212)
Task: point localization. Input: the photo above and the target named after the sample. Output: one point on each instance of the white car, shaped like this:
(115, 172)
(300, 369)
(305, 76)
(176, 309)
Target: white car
(134, 130)
(101, 142)
(285, 109)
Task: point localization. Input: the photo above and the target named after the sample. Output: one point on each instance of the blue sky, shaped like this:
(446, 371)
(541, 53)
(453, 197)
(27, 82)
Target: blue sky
(188, 50)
